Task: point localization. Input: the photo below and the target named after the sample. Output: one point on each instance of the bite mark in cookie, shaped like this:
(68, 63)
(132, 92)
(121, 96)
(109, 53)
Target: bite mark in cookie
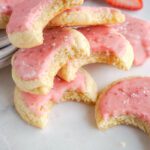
(107, 46)
(34, 69)
(137, 31)
(125, 102)
(34, 109)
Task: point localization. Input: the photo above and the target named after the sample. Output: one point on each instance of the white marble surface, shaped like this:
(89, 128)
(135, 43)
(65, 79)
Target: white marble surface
(71, 125)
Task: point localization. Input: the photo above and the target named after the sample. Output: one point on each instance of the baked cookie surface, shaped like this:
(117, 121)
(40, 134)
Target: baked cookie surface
(107, 46)
(87, 16)
(81, 16)
(35, 109)
(137, 32)
(29, 18)
(125, 101)
(34, 69)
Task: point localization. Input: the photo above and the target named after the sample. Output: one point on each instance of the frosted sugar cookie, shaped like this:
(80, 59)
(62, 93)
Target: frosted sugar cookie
(34, 69)
(28, 19)
(137, 31)
(125, 102)
(107, 46)
(35, 109)
(78, 16)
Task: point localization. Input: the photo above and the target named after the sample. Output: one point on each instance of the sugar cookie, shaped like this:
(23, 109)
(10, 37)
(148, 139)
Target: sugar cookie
(28, 19)
(137, 31)
(87, 16)
(125, 102)
(107, 46)
(34, 69)
(80, 16)
(35, 109)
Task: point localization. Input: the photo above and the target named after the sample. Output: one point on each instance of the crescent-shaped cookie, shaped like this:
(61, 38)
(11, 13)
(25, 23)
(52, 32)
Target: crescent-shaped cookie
(29, 18)
(82, 16)
(137, 32)
(87, 16)
(125, 102)
(107, 46)
(35, 109)
(34, 69)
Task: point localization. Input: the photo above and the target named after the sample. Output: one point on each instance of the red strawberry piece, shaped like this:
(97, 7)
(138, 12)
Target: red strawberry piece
(127, 4)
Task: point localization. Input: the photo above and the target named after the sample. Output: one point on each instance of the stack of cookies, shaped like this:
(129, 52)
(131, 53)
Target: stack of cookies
(56, 38)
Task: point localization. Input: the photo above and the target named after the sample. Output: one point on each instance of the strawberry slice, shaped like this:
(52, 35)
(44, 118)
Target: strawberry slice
(127, 4)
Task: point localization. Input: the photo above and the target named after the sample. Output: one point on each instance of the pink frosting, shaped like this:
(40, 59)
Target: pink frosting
(127, 97)
(35, 102)
(137, 31)
(102, 39)
(25, 13)
(34, 62)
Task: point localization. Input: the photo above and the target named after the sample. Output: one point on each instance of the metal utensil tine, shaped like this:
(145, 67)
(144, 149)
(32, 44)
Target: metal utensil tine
(7, 50)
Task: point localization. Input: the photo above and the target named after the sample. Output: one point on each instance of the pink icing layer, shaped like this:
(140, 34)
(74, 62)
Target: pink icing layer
(35, 102)
(25, 13)
(137, 31)
(34, 62)
(105, 39)
(127, 97)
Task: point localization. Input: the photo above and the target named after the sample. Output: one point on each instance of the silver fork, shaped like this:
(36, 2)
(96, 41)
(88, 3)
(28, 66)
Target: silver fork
(3, 39)
(6, 49)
